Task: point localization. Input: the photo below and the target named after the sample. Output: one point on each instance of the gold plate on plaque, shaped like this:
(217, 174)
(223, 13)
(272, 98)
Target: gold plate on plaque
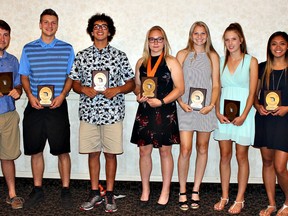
(272, 100)
(197, 97)
(149, 87)
(100, 80)
(45, 94)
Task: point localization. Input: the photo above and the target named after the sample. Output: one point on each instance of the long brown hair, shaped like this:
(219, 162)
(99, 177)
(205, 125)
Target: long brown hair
(236, 27)
(270, 57)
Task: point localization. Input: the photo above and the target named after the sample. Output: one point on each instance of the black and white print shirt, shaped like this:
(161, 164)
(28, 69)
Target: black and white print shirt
(100, 110)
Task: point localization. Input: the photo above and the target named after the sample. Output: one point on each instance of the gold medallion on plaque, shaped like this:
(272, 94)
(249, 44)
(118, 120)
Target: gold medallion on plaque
(148, 87)
(272, 99)
(100, 80)
(45, 95)
(197, 97)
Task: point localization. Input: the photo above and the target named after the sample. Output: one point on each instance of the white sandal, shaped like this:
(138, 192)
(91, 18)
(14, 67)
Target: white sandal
(230, 211)
(265, 211)
(220, 207)
(279, 213)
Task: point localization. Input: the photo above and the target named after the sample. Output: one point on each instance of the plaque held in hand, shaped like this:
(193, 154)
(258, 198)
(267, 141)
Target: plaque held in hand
(272, 99)
(100, 80)
(197, 97)
(45, 94)
(6, 82)
(149, 87)
(231, 109)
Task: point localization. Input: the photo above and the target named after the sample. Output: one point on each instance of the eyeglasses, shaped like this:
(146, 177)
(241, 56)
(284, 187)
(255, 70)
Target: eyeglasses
(98, 27)
(153, 40)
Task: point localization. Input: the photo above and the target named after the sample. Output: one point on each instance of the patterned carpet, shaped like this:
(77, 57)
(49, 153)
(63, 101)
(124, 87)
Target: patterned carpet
(209, 194)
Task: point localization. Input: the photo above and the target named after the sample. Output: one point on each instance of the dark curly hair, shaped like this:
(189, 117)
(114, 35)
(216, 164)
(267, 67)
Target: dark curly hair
(101, 17)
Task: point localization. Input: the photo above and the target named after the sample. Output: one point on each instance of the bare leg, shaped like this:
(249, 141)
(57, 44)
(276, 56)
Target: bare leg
(280, 163)
(110, 168)
(94, 169)
(269, 179)
(186, 138)
(37, 163)
(64, 166)
(167, 166)
(145, 163)
(225, 171)
(202, 144)
(8, 170)
(243, 175)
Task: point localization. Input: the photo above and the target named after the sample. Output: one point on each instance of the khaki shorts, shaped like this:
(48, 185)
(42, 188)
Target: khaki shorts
(96, 138)
(9, 136)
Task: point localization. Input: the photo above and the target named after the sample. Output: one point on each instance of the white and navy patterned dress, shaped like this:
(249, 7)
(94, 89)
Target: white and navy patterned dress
(198, 74)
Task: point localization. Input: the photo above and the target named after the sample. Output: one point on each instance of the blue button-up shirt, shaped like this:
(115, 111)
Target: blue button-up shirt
(9, 63)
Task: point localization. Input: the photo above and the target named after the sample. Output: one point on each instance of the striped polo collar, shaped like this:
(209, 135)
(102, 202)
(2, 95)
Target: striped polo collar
(50, 45)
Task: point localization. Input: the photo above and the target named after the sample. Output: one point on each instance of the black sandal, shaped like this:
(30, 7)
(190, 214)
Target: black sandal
(195, 203)
(183, 205)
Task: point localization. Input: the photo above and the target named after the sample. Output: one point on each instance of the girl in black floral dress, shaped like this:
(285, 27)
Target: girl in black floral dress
(156, 123)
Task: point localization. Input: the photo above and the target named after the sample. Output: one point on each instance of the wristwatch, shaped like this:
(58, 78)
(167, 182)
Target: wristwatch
(162, 102)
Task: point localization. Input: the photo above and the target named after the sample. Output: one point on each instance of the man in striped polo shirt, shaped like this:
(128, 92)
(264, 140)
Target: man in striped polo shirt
(46, 62)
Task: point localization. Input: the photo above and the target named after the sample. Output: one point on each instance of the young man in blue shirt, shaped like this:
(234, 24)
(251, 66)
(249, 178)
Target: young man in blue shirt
(47, 61)
(9, 118)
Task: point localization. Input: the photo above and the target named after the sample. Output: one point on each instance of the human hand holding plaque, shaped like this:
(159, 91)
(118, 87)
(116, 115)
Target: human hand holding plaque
(197, 97)
(45, 94)
(6, 82)
(231, 109)
(100, 80)
(149, 87)
(272, 99)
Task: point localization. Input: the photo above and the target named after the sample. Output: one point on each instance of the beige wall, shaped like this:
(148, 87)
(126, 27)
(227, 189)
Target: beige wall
(259, 20)
(133, 18)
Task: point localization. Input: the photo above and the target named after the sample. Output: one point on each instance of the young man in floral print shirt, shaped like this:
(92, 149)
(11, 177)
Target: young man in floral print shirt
(101, 112)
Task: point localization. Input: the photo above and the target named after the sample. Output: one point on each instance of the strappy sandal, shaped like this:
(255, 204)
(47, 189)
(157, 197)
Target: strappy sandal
(195, 203)
(230, 211)
(219, 206)
(183, 205)
(280, 212)
(268, 211)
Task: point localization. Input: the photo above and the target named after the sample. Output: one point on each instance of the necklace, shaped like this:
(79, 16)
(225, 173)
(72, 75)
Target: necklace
(273, 77)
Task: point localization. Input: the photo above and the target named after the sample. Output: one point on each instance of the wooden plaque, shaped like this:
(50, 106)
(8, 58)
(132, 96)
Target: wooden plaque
(100, 80)
(231, 109)
(149, 87)
(6, 82)
(45, 94)
(197, 97)
(272, 99)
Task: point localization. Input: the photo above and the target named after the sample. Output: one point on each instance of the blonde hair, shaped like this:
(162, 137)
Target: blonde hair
(146, 51)
(208, 45)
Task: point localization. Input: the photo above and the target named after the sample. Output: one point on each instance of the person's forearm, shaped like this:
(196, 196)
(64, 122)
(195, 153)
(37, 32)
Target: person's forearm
(26, 85)
(67, 86)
